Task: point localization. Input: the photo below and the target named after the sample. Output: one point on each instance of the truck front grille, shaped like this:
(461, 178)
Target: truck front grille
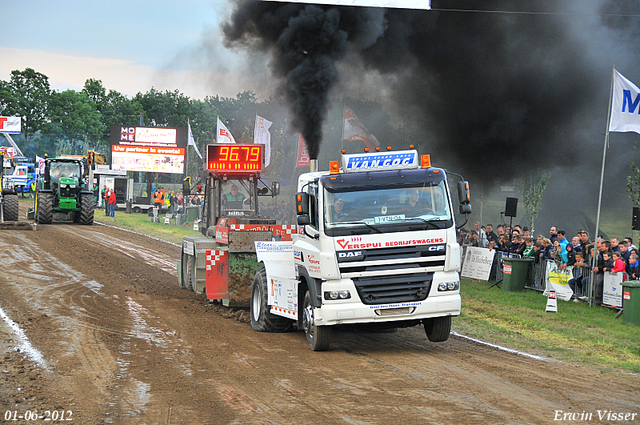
(393, 289)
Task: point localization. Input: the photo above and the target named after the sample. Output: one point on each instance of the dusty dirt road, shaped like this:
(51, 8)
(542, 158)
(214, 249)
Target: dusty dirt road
(95, 329)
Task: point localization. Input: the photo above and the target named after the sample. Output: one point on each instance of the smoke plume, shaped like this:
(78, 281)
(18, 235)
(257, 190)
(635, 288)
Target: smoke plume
(496, 87)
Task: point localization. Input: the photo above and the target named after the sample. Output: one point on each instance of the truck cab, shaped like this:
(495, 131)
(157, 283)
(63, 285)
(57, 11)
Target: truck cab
(376, 245)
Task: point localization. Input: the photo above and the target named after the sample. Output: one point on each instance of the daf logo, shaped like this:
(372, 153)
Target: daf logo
(350, 256)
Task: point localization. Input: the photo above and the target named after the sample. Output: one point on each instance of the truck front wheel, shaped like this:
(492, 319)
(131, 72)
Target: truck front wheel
(318, 337)
(438, 328)
(262, 320)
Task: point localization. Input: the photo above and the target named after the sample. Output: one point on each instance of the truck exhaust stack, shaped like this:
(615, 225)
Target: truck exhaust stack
(313, 165)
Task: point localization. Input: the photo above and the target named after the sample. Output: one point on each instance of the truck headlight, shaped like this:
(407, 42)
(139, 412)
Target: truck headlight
(337, 295)
(449, 286)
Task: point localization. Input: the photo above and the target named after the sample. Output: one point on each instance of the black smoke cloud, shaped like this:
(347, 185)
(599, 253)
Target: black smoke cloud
(494, 93)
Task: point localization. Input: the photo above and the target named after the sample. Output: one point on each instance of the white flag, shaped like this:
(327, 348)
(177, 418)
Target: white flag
(625, 106)
(223, 135)
(39, 165)
(262, 136)
(191, 141)
(354, 130)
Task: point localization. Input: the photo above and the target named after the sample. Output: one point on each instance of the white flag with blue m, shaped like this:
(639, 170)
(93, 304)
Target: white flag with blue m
(625, 105)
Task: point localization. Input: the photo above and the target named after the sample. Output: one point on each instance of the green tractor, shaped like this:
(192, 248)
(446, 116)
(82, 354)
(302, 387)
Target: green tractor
(62, 191)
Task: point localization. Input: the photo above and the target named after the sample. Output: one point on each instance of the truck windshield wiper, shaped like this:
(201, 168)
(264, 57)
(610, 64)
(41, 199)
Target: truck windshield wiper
(360, 222)
(430, 223)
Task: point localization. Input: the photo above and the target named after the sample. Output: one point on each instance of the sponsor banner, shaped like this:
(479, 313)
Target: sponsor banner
(10, 125)
(612, 289)
(402, 4)
(477, 263)
(558, 281)
(380, 161)
(357, 243)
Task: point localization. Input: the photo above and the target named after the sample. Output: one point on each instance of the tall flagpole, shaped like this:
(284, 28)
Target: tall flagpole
(604, 154)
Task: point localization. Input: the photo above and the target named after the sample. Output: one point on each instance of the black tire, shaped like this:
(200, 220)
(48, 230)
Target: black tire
(87, 205)
(137, 210)
(191, 271)
(318, 337)
(438, 328)
(11, 207)
(261, 318)
(44, 208)
(183, 271)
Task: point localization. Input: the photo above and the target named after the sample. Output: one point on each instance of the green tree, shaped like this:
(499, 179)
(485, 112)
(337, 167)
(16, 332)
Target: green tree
(31, 96)
(534, 187)
(75, 119)
(633, 184)
(114, 107)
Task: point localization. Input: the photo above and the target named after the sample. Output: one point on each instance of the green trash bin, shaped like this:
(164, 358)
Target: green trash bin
(193, 213)
(515, 273)
(631, 302)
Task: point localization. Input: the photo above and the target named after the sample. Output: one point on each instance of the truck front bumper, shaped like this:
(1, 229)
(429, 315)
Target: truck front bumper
(356, 312)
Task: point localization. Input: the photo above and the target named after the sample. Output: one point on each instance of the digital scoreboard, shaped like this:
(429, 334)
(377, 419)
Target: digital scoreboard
(233, 158)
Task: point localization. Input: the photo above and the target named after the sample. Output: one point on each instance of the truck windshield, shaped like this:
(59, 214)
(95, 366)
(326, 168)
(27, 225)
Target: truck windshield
(418, 206)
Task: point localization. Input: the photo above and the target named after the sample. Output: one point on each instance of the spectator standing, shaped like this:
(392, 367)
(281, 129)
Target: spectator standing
(553, 233)
(491, 236)
(624, 251)
(112, 203)
(528, 250)
(482, 236)
(633, 269)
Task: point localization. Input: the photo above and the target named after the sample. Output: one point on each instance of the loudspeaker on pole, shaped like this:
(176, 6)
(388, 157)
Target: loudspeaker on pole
(635, 221)
(511, 207)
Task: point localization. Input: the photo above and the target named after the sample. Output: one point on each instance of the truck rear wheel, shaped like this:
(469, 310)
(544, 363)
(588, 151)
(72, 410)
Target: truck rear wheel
(261, 318)
(191, 271)
(438, 328)
(44, 208)
(87, 205)
(318, 337)
(11, 207)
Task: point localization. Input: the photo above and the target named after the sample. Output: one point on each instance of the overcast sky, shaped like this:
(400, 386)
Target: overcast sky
(130, 45)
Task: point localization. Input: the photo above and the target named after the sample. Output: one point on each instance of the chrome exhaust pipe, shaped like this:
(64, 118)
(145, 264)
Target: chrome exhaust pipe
(313, 165)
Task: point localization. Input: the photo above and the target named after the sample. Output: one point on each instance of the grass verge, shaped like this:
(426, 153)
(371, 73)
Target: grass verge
(577, 333)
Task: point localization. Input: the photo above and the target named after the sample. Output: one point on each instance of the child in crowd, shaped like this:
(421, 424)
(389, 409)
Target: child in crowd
(618, 265)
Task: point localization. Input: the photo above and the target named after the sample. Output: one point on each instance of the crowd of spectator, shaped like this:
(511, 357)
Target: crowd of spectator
(575, 256)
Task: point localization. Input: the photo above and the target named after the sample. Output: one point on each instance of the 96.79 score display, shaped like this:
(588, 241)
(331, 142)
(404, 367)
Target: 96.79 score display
(233, 158)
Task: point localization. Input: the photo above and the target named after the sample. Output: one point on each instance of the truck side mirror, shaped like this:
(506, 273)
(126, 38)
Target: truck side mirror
(302, 203)
(464, 196)
(275, 188)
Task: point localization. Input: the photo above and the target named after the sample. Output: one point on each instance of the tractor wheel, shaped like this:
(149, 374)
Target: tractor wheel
(11, 207)
(44, 208)
(318, 337)
(87, 205)
(261, 318)
(438, 328)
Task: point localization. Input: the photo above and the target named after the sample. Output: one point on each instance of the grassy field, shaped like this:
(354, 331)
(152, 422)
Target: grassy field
(577, 333)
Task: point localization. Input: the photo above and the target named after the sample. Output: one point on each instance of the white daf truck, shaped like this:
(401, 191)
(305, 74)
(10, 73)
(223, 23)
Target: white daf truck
(386, 255)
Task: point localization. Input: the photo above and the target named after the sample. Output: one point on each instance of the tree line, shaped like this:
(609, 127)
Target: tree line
(71, 122)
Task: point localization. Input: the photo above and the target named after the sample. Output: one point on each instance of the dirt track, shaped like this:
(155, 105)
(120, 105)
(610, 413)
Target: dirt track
(110, 337)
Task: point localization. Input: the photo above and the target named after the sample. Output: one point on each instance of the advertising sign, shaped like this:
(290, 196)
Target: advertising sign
(477, 263)
(148, 149)
(403, 4)
(10, 125)
(612, 289)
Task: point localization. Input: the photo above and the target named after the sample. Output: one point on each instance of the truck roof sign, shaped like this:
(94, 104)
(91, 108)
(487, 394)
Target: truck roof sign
(377, 161)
